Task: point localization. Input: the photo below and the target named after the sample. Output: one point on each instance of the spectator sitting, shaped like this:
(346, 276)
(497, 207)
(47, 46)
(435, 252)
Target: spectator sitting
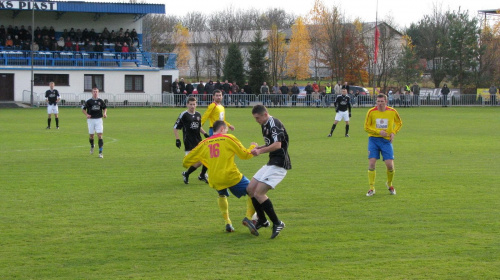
(60, 44)
(105, 34)
(118, 49)
(35, 47)
(132, 50)
(17, 42)
(26, 46)
(65, 34)
(9, 43)
(98, 49)
(52, 32)
(68, 46)
(72, 34)
(92, 34)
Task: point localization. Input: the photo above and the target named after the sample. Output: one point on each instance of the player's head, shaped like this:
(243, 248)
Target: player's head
(381, 101)
(217, 96)
(191, 103)
(344, 91)
(220, 127)
(51, 85)
(260, 114)
(95, 92)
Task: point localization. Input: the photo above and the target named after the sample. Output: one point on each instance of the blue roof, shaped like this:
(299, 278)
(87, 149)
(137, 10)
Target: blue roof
(117, 8)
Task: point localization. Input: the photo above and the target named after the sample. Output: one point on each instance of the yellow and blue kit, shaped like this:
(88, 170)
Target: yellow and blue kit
(214, 112)
(377, 121)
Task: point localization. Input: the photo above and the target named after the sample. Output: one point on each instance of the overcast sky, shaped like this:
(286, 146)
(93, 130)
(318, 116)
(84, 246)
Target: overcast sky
(404, 12)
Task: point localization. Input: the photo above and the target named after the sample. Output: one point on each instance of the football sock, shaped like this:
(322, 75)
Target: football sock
(258, 209)
(371, 178)
(390, 176)
(333, 128)
(48, 122)
(346, 129)
(101, 143)
(250, 208)
(203, 170)
(190, 170)
(57, 122)
(224, 208)
(269, 209)
(91, 140)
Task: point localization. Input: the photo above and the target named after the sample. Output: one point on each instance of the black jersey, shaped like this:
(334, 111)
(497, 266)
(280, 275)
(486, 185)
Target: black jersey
(190, 125)
(94, 107)
(52, 96)
(274, 131)
(343, 103)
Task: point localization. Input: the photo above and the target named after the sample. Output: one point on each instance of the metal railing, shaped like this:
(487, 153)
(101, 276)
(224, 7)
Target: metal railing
(244, 100)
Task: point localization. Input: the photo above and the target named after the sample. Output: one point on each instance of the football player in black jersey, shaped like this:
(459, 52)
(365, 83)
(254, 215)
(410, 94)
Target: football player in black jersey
(95, 109)
(189, 122)
(343, 108)
(271, 174)
(52, 97)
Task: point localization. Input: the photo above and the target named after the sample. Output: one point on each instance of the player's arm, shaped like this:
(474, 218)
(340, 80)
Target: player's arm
(398, 123)
(84, 111)
(241, 151)
(194, 156)
(177, 140)
(204, 132)
(368, 125)
(104, 113)
(58, 97)
(207, 113)
(266, 149)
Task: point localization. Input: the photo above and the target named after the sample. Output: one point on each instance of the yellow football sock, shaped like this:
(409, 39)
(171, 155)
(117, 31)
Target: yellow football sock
(250, 208)
(390, 176)
(371, 178)
(224, 208)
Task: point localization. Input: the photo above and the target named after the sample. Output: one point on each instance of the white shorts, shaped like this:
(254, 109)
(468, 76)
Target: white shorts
(52, 109)
(95, 126)
(270, 175)
(342, 115)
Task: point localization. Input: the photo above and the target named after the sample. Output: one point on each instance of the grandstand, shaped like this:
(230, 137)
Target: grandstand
(78, 45)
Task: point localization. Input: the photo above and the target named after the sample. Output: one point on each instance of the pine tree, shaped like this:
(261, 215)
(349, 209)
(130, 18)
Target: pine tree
(233, 66)
(257, 63)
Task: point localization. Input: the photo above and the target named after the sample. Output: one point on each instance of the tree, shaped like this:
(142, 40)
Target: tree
(233, 66)
(489, 68)
(407, 65)
(298, 56)
(355, 50)
(181, 39)
(429, 37)
(158, 33)
(276, 50)
(196, 23)
(257, 63)
(462, 48)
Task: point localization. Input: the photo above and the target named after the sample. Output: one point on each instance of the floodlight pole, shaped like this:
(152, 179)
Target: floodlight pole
(31, 48)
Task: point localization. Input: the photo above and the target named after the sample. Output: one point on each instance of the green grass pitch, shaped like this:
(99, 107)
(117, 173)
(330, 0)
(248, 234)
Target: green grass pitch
(65, 214)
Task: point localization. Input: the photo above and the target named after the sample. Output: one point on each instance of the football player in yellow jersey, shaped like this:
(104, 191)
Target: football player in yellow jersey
(214, 112)
(382, 123)
(217, 153)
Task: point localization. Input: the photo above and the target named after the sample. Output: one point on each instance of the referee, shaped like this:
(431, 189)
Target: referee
(95, 109)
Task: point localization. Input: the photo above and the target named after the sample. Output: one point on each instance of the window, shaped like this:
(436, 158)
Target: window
(89, 81)
(45, 79)
(134, 83)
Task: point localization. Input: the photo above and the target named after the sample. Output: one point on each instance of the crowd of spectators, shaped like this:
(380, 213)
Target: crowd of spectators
(47, 39)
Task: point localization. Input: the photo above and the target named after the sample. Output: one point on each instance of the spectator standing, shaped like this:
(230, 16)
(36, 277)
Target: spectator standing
(295, 92)
(284, 94)
(444, 92)
(493, 95)
(346, 86)
(226, 87)
(416, 94)
(276, 95)
(264, 90)
(328, 94)
(309, 89)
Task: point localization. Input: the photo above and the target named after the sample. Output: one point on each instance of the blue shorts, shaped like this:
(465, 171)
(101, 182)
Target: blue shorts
(379, 145)
(210, 131)
(237, 190)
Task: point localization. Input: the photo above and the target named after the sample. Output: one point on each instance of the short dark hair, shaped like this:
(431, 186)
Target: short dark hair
(218, 124)
(191, 98)
(382, 96)
(217, 91)
(259, 109)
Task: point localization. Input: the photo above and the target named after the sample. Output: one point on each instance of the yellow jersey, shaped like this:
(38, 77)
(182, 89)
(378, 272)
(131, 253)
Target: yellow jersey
(214, 112)
(388, 120)
(217, 154)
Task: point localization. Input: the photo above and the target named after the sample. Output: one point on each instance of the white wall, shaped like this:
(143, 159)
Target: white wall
(114, 80)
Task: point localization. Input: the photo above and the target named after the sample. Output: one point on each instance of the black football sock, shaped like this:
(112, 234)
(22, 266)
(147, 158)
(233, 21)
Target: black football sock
(91, 141)
(258, 209)
(101, 143)
(333, 128)
(57, 122)
(347, 129)
(190, 170)
(269, 209)
(203, 170)
(48, 122)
